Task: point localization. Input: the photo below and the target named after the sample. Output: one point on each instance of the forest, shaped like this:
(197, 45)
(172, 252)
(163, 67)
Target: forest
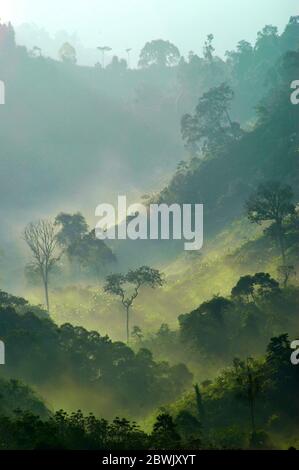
(140, 344)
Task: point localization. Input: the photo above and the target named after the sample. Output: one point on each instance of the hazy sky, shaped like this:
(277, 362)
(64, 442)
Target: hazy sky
(130, 23)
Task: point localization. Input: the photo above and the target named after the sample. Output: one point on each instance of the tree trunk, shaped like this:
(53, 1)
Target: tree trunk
(47, 294)
(281, 244)
(252, 416)
(128, 330)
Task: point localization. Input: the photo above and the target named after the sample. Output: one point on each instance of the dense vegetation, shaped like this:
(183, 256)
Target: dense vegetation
(102, 375)
(252, 404)
(159, 349)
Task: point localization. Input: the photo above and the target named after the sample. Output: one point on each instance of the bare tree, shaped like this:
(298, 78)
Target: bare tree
(42, 241)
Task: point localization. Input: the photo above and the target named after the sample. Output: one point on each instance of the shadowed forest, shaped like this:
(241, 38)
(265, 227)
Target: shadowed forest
(138, 344)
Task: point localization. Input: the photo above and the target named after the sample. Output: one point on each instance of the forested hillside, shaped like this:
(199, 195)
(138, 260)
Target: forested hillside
(118, 344)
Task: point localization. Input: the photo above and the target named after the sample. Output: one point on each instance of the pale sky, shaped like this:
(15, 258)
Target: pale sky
(130, 23)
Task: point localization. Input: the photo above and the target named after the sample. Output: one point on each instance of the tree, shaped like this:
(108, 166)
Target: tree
(117, 65)
(91, 253)
(67, 53)
(211, 127)
(41, 238)
(7, 38)
(103, 50)
(136, 333)
(189, 427)
(272, 202)
(199, 404)
(36, 51)
(81, 245)
(10, 300)
(206, 327)
(247, 286)
(241, 60)
(165, 435)
(209, 49)
(73, 227)
(285, 272)
(127, 287)
(160, 53)
(248, 384)
(128, 51)
(267, 46)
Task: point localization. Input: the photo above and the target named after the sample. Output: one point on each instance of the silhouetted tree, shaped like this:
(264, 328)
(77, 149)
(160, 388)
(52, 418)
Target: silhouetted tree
(272, 202)
(248, 386)
(73, 227)
(159, 52)
(121, 285)
(209, 49)
(103, 50)
(211, 127)
(81, 245)
(261, 283)
(67, 53)
(165, 435)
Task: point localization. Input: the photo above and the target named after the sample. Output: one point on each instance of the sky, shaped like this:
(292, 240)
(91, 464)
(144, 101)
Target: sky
(123, 24)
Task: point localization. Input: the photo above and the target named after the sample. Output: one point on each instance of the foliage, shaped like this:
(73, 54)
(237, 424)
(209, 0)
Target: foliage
(211, 128)
(45, 355)
(81, 245)
(117, 284)
(160, 53)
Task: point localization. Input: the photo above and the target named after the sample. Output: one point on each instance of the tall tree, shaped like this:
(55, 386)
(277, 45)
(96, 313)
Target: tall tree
(73, 227)
(103, 50)
(165, 435)
(81, 245)
(211, 127)
(272, 202)
(248, 286)
(159, 52)
(7, 38)
(127, 287)
(209, 49)
(248, 385)
(67, 53)
(42, 240)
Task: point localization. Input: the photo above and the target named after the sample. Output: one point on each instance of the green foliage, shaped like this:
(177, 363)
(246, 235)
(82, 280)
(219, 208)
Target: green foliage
(250, 403)
(164, 434)
(268, 151)
(210, 129)
(7, 300)
(271, 202)
(160, 53)
(72, 228)
(222, 327)
(16, 396)
(45, 356)
(81, 245)
(261, 283)
(244, 406)
(127, 286)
